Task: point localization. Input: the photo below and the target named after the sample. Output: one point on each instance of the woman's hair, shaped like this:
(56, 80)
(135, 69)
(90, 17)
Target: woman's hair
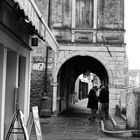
(95, 87)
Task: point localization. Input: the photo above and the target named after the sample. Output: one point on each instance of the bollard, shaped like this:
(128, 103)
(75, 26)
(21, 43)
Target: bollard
(45, 107)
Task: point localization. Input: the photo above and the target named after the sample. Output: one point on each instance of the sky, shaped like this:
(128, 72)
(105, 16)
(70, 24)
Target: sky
(132, 35)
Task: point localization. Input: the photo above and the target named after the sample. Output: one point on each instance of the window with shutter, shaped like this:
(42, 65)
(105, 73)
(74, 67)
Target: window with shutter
(84, 13)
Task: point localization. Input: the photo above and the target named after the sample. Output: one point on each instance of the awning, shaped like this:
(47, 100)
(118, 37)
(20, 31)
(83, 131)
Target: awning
(35, 17)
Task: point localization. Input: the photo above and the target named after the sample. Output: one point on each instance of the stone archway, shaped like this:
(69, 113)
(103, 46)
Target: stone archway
(65, 58)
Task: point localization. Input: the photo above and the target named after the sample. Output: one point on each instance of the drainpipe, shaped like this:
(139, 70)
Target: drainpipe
(49, 14)
(47, 47)
(45, 100)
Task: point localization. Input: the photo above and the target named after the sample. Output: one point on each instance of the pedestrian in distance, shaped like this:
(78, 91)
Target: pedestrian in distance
(93, 103)
(104, 102)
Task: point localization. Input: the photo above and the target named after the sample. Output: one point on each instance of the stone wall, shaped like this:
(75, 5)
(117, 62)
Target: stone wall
(43, 6)
(106, 44)
(110, 22)
(110, 14)
(61, 13)
(37, 87)
(114, 66)
(41, 79)
(38, 74)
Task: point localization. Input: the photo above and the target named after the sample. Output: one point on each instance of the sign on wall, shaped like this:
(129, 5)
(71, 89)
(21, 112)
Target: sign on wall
(37, 123)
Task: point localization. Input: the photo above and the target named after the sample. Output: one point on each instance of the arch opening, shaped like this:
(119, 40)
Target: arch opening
(69, 73)
(83, 84)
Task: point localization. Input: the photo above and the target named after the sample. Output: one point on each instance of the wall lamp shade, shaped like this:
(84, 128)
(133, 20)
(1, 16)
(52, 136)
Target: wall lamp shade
(34, 41)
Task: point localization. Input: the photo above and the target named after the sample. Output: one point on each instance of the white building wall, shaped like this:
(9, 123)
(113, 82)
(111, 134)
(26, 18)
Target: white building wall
(11, 73)
(3, 57)
(10, 88)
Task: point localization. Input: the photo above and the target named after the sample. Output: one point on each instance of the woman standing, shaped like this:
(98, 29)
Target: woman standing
(104, 103)
(93, 103)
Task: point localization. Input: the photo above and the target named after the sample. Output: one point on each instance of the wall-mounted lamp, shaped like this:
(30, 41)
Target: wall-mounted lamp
(34, 41)
(26, 20)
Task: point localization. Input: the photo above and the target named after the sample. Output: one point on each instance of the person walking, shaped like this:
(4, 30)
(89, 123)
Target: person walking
(92, 103)
(104, 102)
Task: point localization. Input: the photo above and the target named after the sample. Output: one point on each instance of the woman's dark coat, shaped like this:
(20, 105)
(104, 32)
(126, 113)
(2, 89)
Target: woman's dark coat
(104, 96)
(92, 100)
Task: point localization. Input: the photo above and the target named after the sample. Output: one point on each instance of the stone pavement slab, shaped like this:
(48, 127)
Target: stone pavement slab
(73, 124)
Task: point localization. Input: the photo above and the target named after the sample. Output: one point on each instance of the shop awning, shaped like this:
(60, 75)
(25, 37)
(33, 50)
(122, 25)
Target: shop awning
(34, 16)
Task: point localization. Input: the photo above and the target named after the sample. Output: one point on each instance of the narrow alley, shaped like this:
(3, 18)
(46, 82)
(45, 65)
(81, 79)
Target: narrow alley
(73, 124)
(52, 53)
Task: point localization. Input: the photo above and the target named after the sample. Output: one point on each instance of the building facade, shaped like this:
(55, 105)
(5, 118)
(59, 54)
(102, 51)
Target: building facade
(19, 22)
(15, 64)
(90, 34)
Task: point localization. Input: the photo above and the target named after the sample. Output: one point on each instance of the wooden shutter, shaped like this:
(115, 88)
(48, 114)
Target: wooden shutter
(84, 13)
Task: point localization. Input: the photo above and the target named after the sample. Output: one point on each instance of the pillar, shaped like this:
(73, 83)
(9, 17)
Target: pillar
(54, 109)
(3, 61)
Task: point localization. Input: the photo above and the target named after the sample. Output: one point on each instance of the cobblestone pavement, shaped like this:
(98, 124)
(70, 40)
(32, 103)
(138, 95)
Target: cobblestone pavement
(73, 124)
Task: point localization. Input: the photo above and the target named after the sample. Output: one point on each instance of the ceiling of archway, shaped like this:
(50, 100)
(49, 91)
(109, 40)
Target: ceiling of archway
(80, 64)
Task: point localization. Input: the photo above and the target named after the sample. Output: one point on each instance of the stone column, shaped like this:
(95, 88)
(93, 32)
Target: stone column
(54, 108)
(113, 99)
(3, 59)
(73, 19)
(73, 13)
(95, 14)
(95, 19)
(27, 87)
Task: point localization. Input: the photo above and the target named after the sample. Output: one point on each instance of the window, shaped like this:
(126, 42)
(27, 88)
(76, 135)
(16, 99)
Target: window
(84, 14)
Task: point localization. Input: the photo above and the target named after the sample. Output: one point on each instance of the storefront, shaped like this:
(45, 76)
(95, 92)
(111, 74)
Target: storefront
(19, 22)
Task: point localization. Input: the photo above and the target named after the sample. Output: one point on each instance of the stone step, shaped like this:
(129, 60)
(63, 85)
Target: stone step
(108, 127)
(119, 123)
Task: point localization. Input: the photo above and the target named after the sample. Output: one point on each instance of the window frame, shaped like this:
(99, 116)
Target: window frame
(95, 2)
(84, 14)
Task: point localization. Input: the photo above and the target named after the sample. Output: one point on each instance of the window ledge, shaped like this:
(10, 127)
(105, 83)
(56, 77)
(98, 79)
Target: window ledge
(83, 29)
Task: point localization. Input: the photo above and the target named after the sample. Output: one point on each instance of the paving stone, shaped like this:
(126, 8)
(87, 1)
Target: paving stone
(73, 124)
